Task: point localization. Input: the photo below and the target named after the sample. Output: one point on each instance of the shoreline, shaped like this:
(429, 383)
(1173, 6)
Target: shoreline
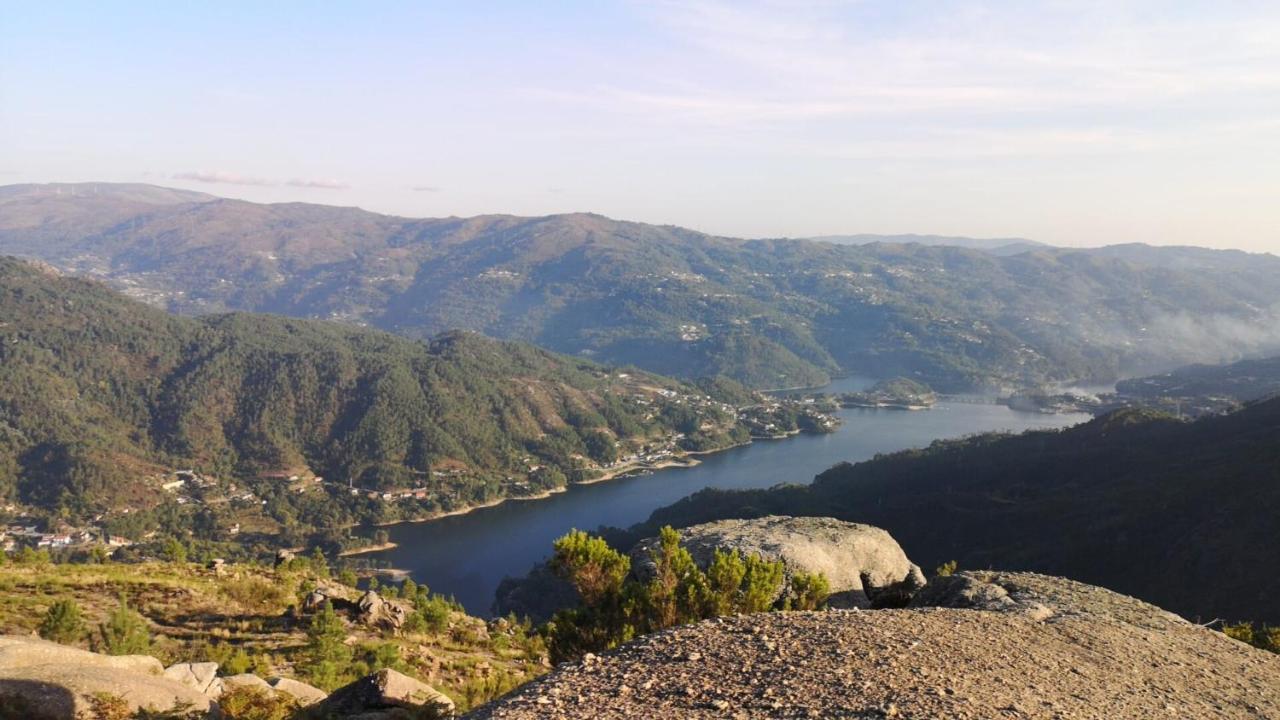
(686, 460)
(368, 549)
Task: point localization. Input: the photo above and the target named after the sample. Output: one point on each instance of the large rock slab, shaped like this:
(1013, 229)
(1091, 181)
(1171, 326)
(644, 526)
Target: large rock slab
(862, 563)
(305, 694)
(386, 693)
(60, 682)
(23, 650)
(200, 676)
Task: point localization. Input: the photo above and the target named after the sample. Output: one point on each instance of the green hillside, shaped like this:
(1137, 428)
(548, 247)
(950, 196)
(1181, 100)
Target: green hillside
(102, 397)
(770, 313)
(1175, 513)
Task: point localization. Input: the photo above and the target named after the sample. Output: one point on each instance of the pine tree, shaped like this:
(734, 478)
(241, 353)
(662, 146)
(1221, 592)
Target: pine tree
(63, 622)
(124, 633)
(327, 653)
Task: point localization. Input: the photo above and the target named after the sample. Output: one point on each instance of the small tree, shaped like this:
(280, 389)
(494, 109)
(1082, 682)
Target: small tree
(678, 592)
(63, 622)
(125, 632)
(809, 591)
(595, 570)
(348, 577)
(319, 563)
(174, 551)
(724, 576)
(761, 584)
(327, 654)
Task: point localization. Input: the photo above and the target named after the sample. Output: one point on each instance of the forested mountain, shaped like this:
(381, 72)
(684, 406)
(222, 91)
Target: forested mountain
(1240, 381)
(772, 313)
(101, 396)
(1176, 513)
(996, 246)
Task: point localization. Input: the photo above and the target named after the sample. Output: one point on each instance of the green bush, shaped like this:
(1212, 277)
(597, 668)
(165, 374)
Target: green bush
(125, 632)
(809, 591)
(63, 622)
(615, 609)
(251, 703)
(327, 656)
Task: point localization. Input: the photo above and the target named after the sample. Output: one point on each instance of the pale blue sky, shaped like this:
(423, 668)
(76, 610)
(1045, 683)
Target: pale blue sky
(1077, 122)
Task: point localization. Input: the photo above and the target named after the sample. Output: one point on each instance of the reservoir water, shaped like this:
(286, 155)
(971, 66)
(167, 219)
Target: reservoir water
(468, 555)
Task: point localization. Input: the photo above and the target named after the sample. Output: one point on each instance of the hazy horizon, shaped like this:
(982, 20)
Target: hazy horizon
(1070, 124)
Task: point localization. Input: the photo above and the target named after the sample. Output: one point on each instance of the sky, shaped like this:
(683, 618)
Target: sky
(1071, 122)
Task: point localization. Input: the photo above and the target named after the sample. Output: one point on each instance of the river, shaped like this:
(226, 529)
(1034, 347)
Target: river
(468, 555)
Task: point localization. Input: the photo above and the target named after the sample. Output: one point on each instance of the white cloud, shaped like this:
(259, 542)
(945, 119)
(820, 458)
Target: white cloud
(231, 178)
(319, 183)
(221, 177)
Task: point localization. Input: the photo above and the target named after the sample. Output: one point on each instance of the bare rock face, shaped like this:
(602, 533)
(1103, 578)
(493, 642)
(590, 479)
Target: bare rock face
(305, 694)
(201, 677)
(245, 680)
(1012, 645)
(58, 682)
(862, 563)
(376, 611)
(386, 694)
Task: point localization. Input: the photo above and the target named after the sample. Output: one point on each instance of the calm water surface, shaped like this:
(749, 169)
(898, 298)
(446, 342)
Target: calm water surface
(467, 555)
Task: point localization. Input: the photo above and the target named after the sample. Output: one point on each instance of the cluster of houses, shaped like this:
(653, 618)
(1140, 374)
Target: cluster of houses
(18, 535)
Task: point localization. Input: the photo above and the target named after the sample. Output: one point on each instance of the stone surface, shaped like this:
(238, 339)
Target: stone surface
(232, 682)
(20, 650)
(1051, 649)
(376, 611)
(305, 694)
(863, 564)
(202, 677)
(59, 682)
(860, 562)
(385, 692)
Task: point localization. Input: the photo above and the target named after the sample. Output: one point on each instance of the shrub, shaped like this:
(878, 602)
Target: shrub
(255, 594)
(63, 622)
(946, 569)
(125, 632)
(251, 703)
(593, 568)
(809, 591)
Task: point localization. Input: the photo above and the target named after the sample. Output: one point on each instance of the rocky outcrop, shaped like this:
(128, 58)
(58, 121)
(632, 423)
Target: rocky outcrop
(386, 695)
(864, 565)
(1006, 645)
(861, 562)
(305, 694)
(376, 611)
(57, 681)
(199, 676)
(245, 680)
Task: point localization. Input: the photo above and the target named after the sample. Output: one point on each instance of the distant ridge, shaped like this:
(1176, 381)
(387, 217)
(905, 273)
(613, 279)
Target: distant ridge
(996, 246)
(770, 313)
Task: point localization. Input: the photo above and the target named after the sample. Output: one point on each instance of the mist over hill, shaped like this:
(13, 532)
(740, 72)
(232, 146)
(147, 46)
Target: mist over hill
(771, 313)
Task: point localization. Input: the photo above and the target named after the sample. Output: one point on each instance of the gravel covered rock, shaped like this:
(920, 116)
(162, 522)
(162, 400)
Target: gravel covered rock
(1055, 649)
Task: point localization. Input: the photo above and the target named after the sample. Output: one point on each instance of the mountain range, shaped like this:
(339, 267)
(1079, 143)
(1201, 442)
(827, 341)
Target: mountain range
(770, 313)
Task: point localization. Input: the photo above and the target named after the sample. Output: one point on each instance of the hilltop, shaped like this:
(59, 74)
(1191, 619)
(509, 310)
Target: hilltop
(770, 313)
(977, 645)
(1172, 512)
